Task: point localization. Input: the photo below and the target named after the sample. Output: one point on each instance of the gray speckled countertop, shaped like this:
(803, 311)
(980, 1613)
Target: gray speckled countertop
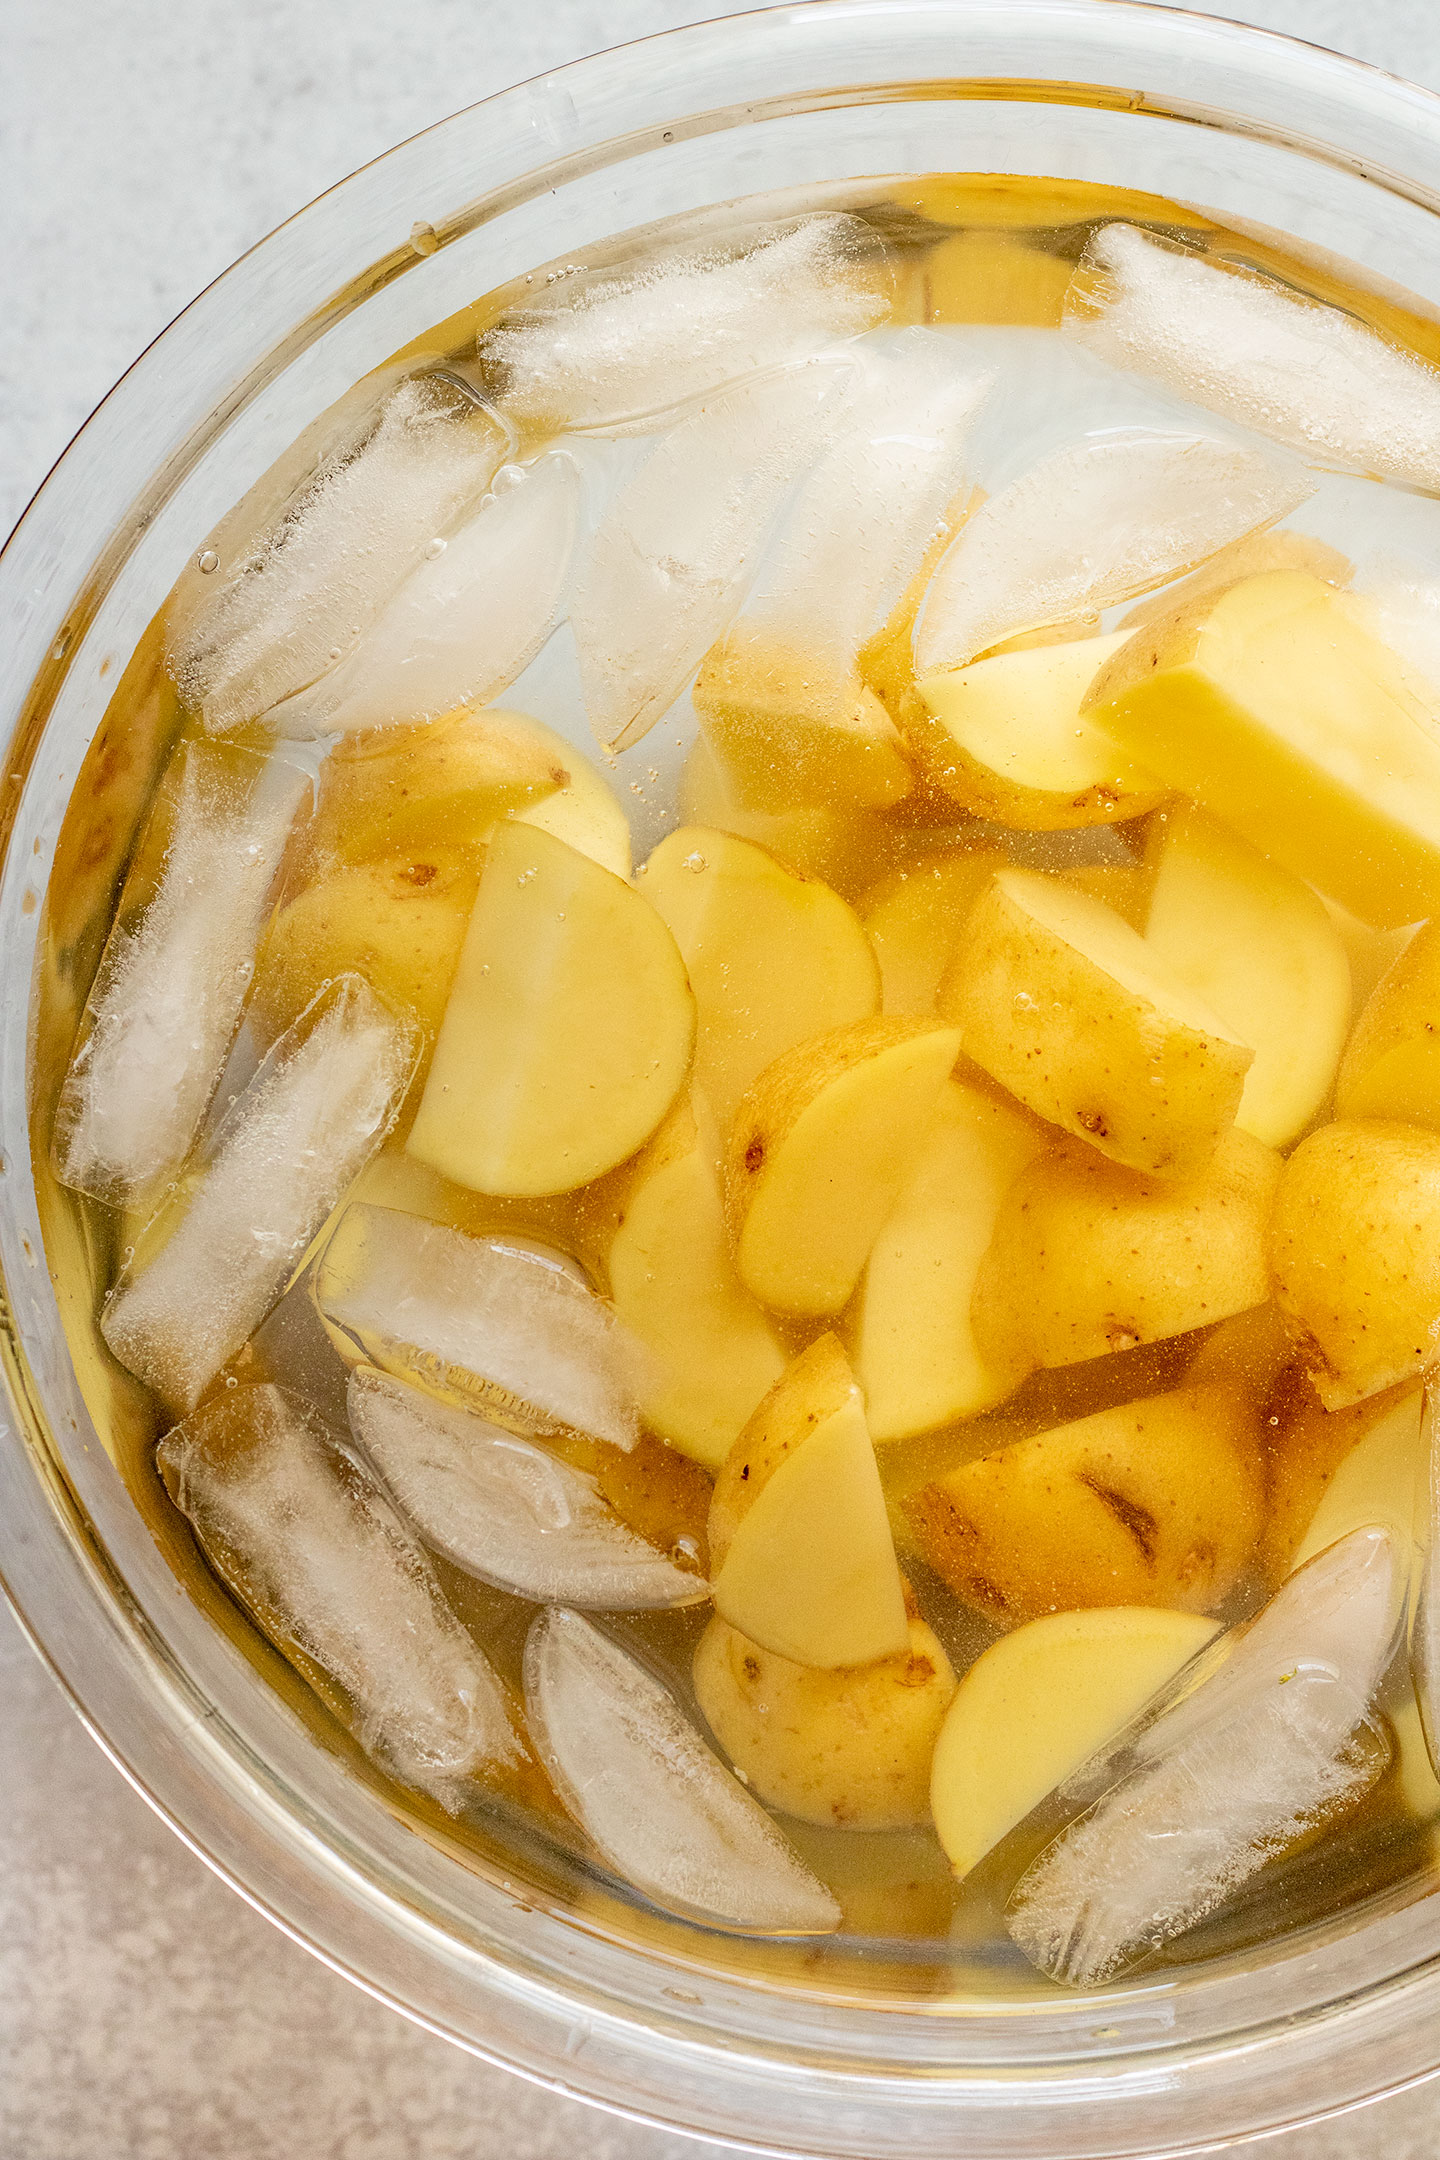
(145, 2012)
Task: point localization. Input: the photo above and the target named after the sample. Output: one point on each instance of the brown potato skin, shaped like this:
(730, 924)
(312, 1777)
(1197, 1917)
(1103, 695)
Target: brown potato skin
(1354, 1248)
(1158, 1502)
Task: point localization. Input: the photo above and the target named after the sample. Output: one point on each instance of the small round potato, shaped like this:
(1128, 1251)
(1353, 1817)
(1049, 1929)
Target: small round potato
(850, 1746)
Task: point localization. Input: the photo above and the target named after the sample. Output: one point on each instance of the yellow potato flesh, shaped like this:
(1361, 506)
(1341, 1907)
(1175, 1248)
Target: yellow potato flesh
(1257, 945)
(1383, 1479)
(914, 1350)
(1391, 1067)
(584, 810)
(913, 918)
(850, 1747)
(1005, 737)
(811, 1571)
(813, 1387)
(773, 957)
(1123, 886)
(439, 783)
(1153, 1503)
(1037, 1704)
(819, 1152)
(1355, 1253)
(1069, 1008)
(846, 847)
(569, 1028)
(1089, 1258)
(1305, 1445)
(673, 1283)
(788, 728)
(1277, 708)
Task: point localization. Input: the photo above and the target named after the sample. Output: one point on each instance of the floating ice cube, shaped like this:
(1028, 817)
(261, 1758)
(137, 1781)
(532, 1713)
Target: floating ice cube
(663, 1810)
(499, 1326)
(280, 1159)
(504, 1509)
(861, 521)
(673, 557)
(1239, 343)
(1425, 1636)
(626, 349)
(468, 618)
(306, 1539)
(1097, 522)
(303, 594)
(1276, 1738)
(166, 1000)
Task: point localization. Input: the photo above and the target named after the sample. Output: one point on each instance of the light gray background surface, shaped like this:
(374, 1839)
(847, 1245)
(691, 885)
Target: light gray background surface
(145, 2012)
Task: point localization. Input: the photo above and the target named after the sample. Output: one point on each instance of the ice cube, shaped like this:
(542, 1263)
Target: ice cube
(305, 1537)
(1241, 344)
(172, 980)
(662, 1809)
(499, 1326)
(504, 1509)
(467, 620)
(220, 1252)
(861, 521)
(627, 349)
(1094, 523)
(1276, 1739)
(1425, 1636)
(672, 558)
(302, 595)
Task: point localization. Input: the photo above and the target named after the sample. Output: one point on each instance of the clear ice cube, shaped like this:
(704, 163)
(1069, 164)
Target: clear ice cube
(471, 615)
(672, 559)
(302, 595)
(1242, 345)
(1092, 524)
(664, 1811)
(1277, 1738)
(861, 520)
(624, 350)
(307, 1540)
(498, 1325)
(222, 1249)
(504, 1509)
(172, 980)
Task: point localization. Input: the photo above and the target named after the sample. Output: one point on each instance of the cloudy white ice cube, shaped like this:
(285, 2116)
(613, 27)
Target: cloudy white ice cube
(672, 559)
(469, 618)
(663, 1810)
(1278, 1738)
(307, 1540)
(173, 977)
(623, 351)
(506, 1510)
(302, 595)
(279, 1161)
(1091, 524)
(1242, 345)
(502, 1327)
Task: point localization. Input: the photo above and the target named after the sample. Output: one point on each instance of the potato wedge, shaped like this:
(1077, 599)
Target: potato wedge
(913, 918)
(1305, 1446)
(1391, 1066)
(584, 811)
(786, 729)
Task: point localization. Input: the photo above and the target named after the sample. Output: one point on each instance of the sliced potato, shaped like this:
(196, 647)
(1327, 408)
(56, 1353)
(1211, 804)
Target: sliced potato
(1305, 1445)
(433, 784)
(914, 917)
(787, 729)
(1391, 1067)
(584, 810)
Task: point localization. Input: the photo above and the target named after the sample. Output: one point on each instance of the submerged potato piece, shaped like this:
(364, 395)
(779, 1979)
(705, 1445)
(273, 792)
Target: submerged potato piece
(1039, 1703)
(433, 784)
(849, 1747)
(819, 1151)
(1277, 707)
(1383, 1479)
(1062, 1003)
(1253, 1351)
(1355, 1252)
(584, 810)
(1254, 941)
(801, 1550)
(1306, 1449)
(1123, 886)
(847, 848)
(1391, 1066)
(786, 728)
(1088, 1257)
(673, 1282)
(913, 918)
(1005, 737)
(659, 1494)
(915, 1352)
(399, 922)
(773, 956)
(1277, 549)
(569, 1028)
(1155, 1503)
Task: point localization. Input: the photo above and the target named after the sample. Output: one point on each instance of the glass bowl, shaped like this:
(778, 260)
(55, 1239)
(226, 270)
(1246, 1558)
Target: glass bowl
(506, 1952)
